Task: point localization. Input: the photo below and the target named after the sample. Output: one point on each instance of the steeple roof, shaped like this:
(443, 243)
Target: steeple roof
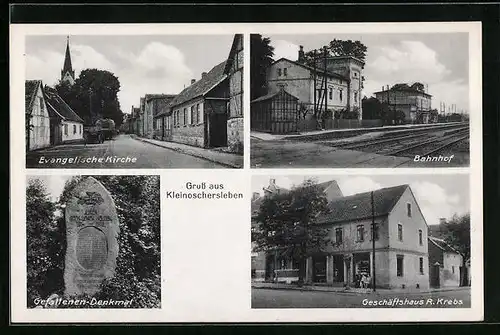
(67, 59)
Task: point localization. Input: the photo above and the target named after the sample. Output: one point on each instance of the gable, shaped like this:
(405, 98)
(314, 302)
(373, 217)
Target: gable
(401, 206)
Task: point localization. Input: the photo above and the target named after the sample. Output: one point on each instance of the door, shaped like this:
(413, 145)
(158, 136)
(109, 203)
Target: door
(319, 269)
(434, 276)
(217, 130)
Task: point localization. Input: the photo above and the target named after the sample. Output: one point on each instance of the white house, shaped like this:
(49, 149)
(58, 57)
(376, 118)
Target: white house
(37, 116)
(66, 125)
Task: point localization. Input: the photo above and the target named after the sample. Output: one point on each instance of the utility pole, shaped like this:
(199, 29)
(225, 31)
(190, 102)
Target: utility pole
(314, 82)
(326, 81)
(373, 244)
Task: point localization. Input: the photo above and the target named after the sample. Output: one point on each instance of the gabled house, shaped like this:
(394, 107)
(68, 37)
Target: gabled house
(332, 83)
(199, 113)
(37, 116)
(65, 124)
(401, 256)
(445, 264)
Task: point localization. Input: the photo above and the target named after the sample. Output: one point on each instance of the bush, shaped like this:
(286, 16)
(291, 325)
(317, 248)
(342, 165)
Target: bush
(137, 273)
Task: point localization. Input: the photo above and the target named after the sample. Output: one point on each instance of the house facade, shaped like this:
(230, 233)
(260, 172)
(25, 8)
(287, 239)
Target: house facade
(334, 84)
(198, 114)
(234, 71)
(412, 100)
(37, 116)
(445, 264)
(265, 265)
(66, 125)
(401, 256)
(152, 104)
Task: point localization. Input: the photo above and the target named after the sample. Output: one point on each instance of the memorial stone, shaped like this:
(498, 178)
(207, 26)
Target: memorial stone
(92, 237)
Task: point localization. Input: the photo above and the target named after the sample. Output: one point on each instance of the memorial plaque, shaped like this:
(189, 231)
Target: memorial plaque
(91, 231)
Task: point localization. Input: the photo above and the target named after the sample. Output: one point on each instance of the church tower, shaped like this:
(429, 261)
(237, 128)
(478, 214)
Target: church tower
(67, 73)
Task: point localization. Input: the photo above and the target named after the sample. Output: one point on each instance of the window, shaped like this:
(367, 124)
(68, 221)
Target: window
(198, 115)
(66, 129)
(421, 265)
(338, 235)
(355, 96)
(74, 129)
(376, 232)
(420, 237)
(80, 129)
(40, 101)
(285, 71)
(452, 269)
(340, 95)
(408, 210)
(330, 93)
(400, 232)
(185, 116)
(279, 72)
(193, 117)
(360, 233)
(399, 265)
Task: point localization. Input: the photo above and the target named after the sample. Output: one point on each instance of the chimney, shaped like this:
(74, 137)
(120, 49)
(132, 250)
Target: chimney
(193, 81)
(442, 220)
(203, 75)
(383, 88)
(255, 195)
(301, 54)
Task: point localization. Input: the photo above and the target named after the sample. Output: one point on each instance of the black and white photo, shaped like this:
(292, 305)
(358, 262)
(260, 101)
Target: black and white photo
(134, 101)
(361, 241)
(360, 100)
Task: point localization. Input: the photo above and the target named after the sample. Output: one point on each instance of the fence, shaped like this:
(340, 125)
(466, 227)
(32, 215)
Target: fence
(311, 124)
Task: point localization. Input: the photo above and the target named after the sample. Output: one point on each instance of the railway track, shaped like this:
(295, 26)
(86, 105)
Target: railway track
(422, 144)
(431, 146)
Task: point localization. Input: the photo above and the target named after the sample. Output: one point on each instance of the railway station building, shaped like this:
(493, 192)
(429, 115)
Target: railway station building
(401, 246)
(332, 82)
(412, 100)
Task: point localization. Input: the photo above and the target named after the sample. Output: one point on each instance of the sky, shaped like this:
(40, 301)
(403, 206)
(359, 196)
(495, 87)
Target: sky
(143, 64)
(54, 184)
(438, 196)
(440, 60)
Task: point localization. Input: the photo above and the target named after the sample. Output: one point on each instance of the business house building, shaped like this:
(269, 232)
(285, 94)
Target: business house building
(401, 244)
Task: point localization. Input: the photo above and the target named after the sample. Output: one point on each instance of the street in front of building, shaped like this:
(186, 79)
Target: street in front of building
(121, 152)
(273, 298)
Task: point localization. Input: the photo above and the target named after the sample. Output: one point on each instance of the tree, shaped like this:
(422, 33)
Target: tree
(94, 95)
(457, 234)
(261, 57)
(137, 273)
(286, 224)
(42, 260)
(336, 48)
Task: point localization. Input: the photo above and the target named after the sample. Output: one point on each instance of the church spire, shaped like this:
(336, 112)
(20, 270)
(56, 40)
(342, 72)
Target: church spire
(67, 73)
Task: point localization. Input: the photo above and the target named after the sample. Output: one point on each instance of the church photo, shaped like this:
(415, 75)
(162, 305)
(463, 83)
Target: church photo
(139, 101)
